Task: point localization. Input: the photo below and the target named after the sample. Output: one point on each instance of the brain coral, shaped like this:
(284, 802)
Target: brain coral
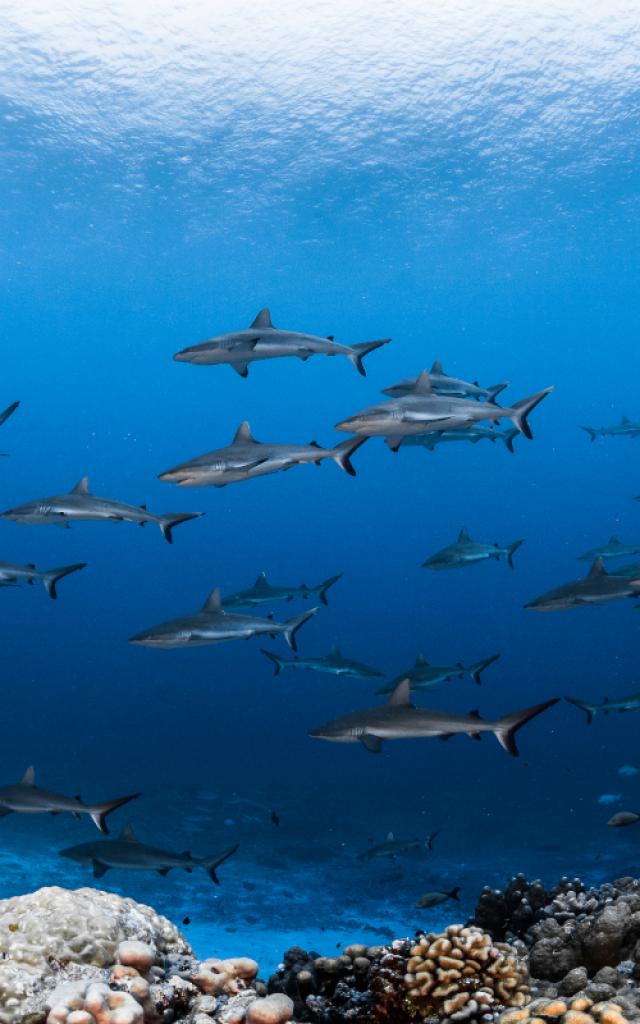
(461, 974)
(46, 931)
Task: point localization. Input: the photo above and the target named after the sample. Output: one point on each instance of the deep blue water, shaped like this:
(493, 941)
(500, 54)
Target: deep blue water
(465, 184)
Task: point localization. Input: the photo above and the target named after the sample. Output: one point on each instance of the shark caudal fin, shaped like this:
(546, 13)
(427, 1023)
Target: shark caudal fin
(51, 576)
(508, 437)
(453, 894)
(211, 863)
(342, 453)
(429, 839)
(293, 625)
(511, 550)
(99, 812)
(506, 728)
(496, 390)
(357, 353)
(479, 666)
(9, 411)
(520, 411)
(322, 589)
(278, 662)
(589, 709)
(591, 432)
(167, 522)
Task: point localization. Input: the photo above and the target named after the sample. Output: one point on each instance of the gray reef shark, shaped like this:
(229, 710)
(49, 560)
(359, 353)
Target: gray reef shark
(469, 552)
(469, 434)
(597, 587)
(263, 592)
(424, 676)
(630, 703)
(11, 574)
(334, 663)
(27, 798)
(625, 428)
(246, 458)
(399, 719)
(391, 847)
(614, 548)
(264, 341)
(443, 384)
(128, 854)
(213, 625)
(423, 411)
(80, 504)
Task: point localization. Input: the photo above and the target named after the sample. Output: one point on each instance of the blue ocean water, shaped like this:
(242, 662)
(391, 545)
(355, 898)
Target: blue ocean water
(463, 181)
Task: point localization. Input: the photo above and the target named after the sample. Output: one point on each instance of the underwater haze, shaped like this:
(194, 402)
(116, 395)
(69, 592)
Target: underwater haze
(461, 179)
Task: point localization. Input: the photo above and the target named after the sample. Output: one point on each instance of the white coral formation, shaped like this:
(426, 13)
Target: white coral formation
(461, 974)
(84, 1002)
(230, 976)
(47, 930)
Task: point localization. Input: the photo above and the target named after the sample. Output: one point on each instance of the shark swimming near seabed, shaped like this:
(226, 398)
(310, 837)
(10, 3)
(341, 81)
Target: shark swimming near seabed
(127, 853)
(26, 798)
(424, 676)
(213, 625)
(469, 552)
(11, 574)
(614, 548)
(452, 387)
(334, 663)
(399, 719)
(80, 504)
(261, 340)
(471, 435)
(625, 428)
(597, 587)
(245, 458)
(630, 703)
(391, 846)
(423, 411)
(263, 592)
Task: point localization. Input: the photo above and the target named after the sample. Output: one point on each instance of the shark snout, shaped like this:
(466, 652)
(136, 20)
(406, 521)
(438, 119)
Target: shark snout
(348, 425)
(185, 355)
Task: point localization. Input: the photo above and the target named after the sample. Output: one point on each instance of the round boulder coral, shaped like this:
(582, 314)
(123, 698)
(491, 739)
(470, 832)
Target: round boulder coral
(577, 1011)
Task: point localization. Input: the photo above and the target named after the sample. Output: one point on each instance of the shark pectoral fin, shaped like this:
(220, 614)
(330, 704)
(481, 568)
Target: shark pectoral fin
(164, 871)
(474, 735)
(99, 869)
(394, 441)
(371, 743)
(241, 368)
(445, 735)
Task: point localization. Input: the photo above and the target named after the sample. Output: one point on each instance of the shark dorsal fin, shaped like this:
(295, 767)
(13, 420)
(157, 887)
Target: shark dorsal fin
(475, 714)
(213, 602)
(437, 368)
(262, 321)
(390, 837)
(82, 486)
(401, 696)
(614, 539)
(597, 569)
(335, 651)
(422, 385)
(421, 660)
(261, 581)
(243, 434)
(463, 536)
(128, 835)
(29, 777)
(625, 419)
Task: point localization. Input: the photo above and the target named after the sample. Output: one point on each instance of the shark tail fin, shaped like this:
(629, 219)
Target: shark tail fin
(273, 658)
(589, 709)
(211, 863)
(358, 352)
(171, 519)
(506, 728)
(591, 432)
(322, 589)
(520, 411)
(99, 812)
(508, 437)
(479, 666)
(51, 577)
(342, 453)
(429, 839)
(496, 390)
(453, 895)
(293, 625)
(511, 550)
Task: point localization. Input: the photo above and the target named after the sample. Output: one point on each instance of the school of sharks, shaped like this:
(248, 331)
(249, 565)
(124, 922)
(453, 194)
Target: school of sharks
(427, 410)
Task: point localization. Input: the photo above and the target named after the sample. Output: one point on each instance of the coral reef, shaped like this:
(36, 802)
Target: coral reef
(461, 974)
(578, 1011)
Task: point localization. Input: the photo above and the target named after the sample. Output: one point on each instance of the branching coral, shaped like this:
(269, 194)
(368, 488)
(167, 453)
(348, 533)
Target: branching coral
(461, 974)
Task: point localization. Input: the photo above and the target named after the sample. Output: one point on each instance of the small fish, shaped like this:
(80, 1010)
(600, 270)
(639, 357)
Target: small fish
(275, 818)
(468, 552)
(623, 818)
(609, 798)
(186, 920)
(628, 771)
(433, 899)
